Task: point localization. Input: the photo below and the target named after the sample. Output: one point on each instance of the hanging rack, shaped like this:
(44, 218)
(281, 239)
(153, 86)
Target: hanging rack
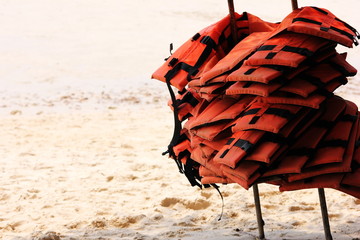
(321, 192)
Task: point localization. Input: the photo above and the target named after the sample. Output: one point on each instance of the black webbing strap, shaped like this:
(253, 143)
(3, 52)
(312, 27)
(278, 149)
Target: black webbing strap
(348, 118)
(333, 143)
(284, 113)
(192, 173)
(324, 124)
(266, 47)
(298, 50)
(357, 143)
(224, 153)
(230, 141)
(302, 51)
(210, 44)
(193, 70)
(243, 144)
(326, 29)
(324, 92)
(251, 112)
(177, 129)
(222, 199)
(180, 66)
(274, 138)
(313, 80)
(188, 98)
(250, 71)
(301, 152)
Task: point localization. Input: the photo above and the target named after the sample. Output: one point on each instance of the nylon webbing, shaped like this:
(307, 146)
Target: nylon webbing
(188, 98)
(348, 118)
(301, 152)
(333, 143)
(320, 23)
(243, 144)
(284, 113)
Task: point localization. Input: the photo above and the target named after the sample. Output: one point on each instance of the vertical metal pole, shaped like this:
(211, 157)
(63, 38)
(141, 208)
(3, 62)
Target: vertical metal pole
(260, 220)
(232, 21)
(294, 4)
(324, 213)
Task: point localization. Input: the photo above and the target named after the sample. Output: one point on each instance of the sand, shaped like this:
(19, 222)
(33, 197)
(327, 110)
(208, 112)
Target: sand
(83, 127)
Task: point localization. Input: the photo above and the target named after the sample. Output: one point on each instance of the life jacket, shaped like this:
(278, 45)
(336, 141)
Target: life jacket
(245, 174)
(262, 109)
(322, 23)
(271, 142)
(237, 147)
(219, 110)
(206, 47)
(323, 181)
(235, 57)
(304, 147)
(210, 177)
(267, 73)
(253, 88)
(265, 117)
(337, 167)
(286, 49)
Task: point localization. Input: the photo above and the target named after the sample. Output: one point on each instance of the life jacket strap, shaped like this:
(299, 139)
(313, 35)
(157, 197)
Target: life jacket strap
(301, 152)
(333, 143)
(327, 29)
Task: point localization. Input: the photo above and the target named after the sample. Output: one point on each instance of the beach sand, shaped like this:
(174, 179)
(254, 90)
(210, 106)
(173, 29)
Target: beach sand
(83, 128)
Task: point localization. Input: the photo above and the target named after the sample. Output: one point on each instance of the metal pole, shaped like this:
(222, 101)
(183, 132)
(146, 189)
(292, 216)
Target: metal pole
(259, 218)
(324, 213)
(294, 4)
(232, 21)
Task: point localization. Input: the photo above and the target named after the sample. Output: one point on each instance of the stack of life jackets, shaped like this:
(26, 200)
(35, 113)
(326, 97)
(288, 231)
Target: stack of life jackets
(262, 110)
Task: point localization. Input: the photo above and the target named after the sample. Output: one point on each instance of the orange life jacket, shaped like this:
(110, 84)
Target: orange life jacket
(345, 163)
(286, 49)
(206, 48)
(264, 107)
(265, 117)
(304, 147)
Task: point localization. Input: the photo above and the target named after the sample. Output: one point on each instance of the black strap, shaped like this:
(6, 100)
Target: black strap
(191, 172)
(324, 29)
(274, 138)
(224, 153)
(301, 152)
(333, 143)
(248, 84)
(324, 124)
(177, 129)
(313, 80)
(250, 71)
(348, 118)
(230, 141)
(266, 47)
(357, 143)
(302, 51)
(193, 70)
(251, 112)
(284, 113)
(243, 144)
(188, 98)
(222, 199)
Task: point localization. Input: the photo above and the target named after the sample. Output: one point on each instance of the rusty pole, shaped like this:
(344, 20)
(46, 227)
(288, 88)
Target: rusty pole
(294, 4)
(232, 21)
